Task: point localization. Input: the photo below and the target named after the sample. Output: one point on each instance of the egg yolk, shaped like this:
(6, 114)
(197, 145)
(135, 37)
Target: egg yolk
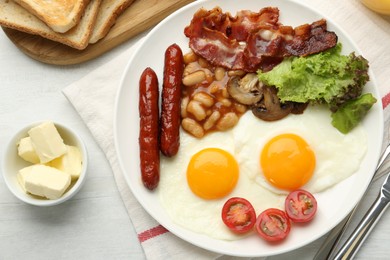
(287, 161)
(212, 173)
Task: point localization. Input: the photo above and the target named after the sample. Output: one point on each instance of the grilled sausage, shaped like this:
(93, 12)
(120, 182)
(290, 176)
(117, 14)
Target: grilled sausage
(149, 129)
(170, 98)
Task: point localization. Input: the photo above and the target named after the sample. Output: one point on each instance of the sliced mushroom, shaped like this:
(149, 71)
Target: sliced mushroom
(246, 90)
(270, 108)
(299, 108)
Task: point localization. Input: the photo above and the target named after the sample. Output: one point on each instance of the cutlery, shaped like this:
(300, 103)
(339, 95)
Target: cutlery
(354, 242)
(327, 250)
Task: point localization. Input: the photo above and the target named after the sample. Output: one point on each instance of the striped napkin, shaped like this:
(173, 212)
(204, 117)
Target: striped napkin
(93, 97)
(96, 108)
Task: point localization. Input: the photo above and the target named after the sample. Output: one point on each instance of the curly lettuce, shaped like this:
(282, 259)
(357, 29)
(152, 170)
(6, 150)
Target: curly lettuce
(352, 112)
(326, 78)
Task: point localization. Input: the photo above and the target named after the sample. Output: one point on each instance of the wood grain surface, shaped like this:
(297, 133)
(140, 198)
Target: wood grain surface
(140, 16)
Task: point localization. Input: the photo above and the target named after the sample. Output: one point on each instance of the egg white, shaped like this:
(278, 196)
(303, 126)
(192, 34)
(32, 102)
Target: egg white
(197, 214)
(338, 155)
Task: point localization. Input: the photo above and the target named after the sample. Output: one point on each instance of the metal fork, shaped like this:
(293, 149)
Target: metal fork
(354, 242)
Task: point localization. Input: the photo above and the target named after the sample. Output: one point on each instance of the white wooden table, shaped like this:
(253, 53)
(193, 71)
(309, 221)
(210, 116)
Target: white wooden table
(94, 224)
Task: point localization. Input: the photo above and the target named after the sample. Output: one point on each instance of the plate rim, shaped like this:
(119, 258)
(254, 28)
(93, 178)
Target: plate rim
(139, 46)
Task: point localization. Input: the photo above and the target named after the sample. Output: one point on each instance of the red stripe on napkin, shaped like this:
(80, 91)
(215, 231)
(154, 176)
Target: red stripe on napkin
(151, 233)
(386, 100)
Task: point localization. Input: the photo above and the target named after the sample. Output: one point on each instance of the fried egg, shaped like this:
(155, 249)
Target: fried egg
(196, 202)
(311, 154)
(299, 151)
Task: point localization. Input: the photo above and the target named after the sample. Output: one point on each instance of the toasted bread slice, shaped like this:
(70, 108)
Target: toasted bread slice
(59, 15)
(16, 17)
(108, 13)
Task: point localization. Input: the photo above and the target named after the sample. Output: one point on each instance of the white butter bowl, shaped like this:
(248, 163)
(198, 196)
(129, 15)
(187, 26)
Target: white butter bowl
(12, 163)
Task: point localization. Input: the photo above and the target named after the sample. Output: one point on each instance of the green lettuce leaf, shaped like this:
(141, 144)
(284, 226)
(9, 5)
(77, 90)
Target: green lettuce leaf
(352, 112)
(327, 77)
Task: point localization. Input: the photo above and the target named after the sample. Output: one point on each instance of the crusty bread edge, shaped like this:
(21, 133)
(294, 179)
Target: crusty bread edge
(57, 27)
(110, 22)
(59, 37)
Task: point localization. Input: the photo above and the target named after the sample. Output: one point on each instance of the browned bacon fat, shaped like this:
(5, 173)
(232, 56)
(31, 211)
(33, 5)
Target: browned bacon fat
(234, 28)
(250, 40)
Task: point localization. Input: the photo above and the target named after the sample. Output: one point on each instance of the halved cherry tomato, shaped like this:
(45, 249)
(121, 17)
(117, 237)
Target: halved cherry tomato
(273, 225)
(300, 206)
(238, 215)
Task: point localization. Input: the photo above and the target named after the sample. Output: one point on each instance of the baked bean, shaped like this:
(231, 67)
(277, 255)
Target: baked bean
(211, 120)
(189, 57)
(227, 121)
(183, 108)
(191, 126)
(206, 104)
(236, 73)
(209, 75)
(190, 68)
(226, 102)
(196, 109)
(204, 98)
(240, 107)
(203, 63)
(213, 88)
(194, 78)
(225, 93)
(219, 73)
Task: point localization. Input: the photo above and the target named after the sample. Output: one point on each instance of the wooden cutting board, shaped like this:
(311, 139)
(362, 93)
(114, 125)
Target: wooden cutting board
(140, 16)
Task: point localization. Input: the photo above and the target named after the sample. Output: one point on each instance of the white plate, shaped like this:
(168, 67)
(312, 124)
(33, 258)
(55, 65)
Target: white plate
(334, 204)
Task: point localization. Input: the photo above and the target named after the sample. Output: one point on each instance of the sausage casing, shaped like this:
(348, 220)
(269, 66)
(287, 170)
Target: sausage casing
(170, 101)
(149, 129)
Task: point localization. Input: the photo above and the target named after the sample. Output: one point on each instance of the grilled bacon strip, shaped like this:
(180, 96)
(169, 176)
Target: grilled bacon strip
(234, 28)
(250, 40)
